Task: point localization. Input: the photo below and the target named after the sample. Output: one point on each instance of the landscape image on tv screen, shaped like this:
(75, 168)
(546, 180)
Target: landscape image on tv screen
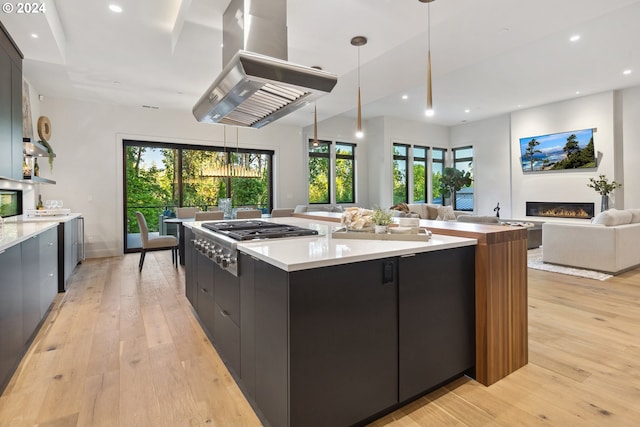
(558, 151)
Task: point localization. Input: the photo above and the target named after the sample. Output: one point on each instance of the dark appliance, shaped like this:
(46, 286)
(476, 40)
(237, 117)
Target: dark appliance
(220, 244)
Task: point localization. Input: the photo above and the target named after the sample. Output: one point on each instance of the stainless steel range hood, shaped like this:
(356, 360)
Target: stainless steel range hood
(255, 88)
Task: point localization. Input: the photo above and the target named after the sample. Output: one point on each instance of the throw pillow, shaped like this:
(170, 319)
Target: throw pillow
(445, 213)
(613, 217)
(432, 212)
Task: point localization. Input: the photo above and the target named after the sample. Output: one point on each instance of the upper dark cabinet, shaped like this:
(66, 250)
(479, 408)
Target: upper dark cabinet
(10, 107)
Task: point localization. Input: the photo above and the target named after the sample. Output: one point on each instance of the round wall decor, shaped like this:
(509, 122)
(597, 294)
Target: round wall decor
(44, 128)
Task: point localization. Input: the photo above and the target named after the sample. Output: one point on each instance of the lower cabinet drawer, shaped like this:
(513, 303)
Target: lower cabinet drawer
(226, 337)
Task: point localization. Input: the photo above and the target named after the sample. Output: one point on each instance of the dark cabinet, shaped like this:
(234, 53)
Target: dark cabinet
(436, 306)
(31, 313)
(325, 336)
(10, 108)
(204, 282)
(189, 281)
(68, 251)
(27, 289)
(48, 269)
(11, 335)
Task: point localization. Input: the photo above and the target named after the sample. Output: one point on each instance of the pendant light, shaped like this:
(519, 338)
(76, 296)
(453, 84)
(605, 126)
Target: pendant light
(359, 41)
(429, 112)
(225, 169)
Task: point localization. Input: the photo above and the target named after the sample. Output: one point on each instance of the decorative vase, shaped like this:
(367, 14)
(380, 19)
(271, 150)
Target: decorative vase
(380, 229)
(604, 205)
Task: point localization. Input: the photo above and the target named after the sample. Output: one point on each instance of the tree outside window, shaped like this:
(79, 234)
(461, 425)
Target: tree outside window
(319, 176)
(419, 174)
(437, 168)
(345, 173)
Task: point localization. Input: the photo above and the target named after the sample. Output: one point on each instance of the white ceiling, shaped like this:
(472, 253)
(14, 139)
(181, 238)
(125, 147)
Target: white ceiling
(491, 56)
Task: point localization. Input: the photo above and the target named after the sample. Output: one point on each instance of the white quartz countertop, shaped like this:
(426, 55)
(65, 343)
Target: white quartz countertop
(301, 253)
(14, 232)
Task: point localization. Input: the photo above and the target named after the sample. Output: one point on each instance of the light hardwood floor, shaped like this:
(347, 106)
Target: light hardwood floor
(123, 349)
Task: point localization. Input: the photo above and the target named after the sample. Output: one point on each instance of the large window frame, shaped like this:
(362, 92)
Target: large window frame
(463, 160)
(177, 198)
(400, 157)
(438, 158)
(319, 158)
(345, 154)
(420, 155)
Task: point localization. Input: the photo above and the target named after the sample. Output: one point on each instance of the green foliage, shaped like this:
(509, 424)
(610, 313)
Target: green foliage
(318, 180)
(399, 182)
(381, 216)
(576, 157)
(344, 181)
(531, 150)
(419, 183)
(602, 185)
(454, 180)
(436, 185)
(50, 151)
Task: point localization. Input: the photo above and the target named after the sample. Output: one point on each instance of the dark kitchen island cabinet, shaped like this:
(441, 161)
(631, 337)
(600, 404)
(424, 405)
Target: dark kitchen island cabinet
(341, 344)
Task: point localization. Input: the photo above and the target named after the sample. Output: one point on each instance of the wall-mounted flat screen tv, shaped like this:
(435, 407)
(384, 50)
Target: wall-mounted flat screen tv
(558, 151)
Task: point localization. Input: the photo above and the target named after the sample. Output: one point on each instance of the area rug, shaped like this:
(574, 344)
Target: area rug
(534, 260)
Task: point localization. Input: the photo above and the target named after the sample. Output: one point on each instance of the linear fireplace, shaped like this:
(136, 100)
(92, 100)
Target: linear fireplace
(561, 209)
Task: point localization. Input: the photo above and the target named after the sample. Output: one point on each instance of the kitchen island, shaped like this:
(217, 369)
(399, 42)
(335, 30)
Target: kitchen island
(321, 331)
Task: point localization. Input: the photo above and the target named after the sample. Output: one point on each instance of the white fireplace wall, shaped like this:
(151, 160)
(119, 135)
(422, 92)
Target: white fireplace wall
(596, 111)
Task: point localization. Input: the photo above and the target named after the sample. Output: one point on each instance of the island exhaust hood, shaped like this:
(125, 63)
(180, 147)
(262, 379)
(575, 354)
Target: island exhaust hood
(258, 85)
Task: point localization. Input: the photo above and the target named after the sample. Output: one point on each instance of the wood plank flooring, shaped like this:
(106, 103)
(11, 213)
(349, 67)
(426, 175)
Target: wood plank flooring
(124, 349)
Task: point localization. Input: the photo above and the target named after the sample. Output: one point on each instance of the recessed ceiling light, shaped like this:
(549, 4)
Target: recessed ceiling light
(577, 92)
(467, 110)
(34, 35)
(405, 96)
(626, 72)
(574, 38)
(115, 8)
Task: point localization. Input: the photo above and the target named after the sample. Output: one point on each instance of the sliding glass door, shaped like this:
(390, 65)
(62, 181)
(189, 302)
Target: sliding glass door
(158, 177)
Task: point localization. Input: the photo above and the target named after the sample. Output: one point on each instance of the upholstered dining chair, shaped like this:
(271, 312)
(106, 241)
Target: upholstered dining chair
(209, 216)
(155, 243)
(248, 213)
(275, 213)
(186, 212)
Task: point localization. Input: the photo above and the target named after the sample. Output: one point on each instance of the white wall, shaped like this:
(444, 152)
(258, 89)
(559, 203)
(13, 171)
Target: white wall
(491, 162)
(631, 146)
(87, 139)
(596, 111)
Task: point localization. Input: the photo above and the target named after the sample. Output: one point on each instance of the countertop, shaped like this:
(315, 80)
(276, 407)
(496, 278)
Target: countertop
(19, 228)
(301, 253)
(14, 232)
(50, 218)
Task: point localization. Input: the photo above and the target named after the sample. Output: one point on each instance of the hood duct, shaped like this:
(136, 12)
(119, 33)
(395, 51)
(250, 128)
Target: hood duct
(255, 88)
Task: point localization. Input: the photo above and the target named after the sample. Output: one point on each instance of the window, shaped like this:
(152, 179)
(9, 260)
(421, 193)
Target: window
(400, 182)
(319, 172)
(345, 173)
(419, 174)
(161, 176)
(437, 167)
(463, 160)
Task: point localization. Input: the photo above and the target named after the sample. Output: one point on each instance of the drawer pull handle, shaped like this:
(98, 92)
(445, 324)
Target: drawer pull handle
(224, 313)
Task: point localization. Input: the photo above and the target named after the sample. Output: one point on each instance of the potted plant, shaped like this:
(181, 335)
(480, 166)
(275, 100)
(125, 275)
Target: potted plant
(603, 187)
(381, 219)
(454, 180)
